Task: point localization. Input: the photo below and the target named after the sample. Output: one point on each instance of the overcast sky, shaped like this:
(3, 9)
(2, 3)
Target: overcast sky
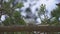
(50, 5)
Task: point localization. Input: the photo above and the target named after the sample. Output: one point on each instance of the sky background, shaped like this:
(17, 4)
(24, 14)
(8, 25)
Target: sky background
(50, 5)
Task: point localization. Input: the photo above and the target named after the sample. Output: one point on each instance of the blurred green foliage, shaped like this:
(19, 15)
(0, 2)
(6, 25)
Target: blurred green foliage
(56, 13)
(14, 16)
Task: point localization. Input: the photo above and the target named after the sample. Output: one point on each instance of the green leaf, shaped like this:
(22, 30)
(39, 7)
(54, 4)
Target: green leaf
(19, 5)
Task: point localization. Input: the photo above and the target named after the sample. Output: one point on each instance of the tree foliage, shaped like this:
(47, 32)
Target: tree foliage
(42, 12)
(14, 17)
(56, 13)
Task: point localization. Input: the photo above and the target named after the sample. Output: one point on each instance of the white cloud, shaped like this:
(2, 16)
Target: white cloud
(38, 20)
(50, 5)
(2, 17)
